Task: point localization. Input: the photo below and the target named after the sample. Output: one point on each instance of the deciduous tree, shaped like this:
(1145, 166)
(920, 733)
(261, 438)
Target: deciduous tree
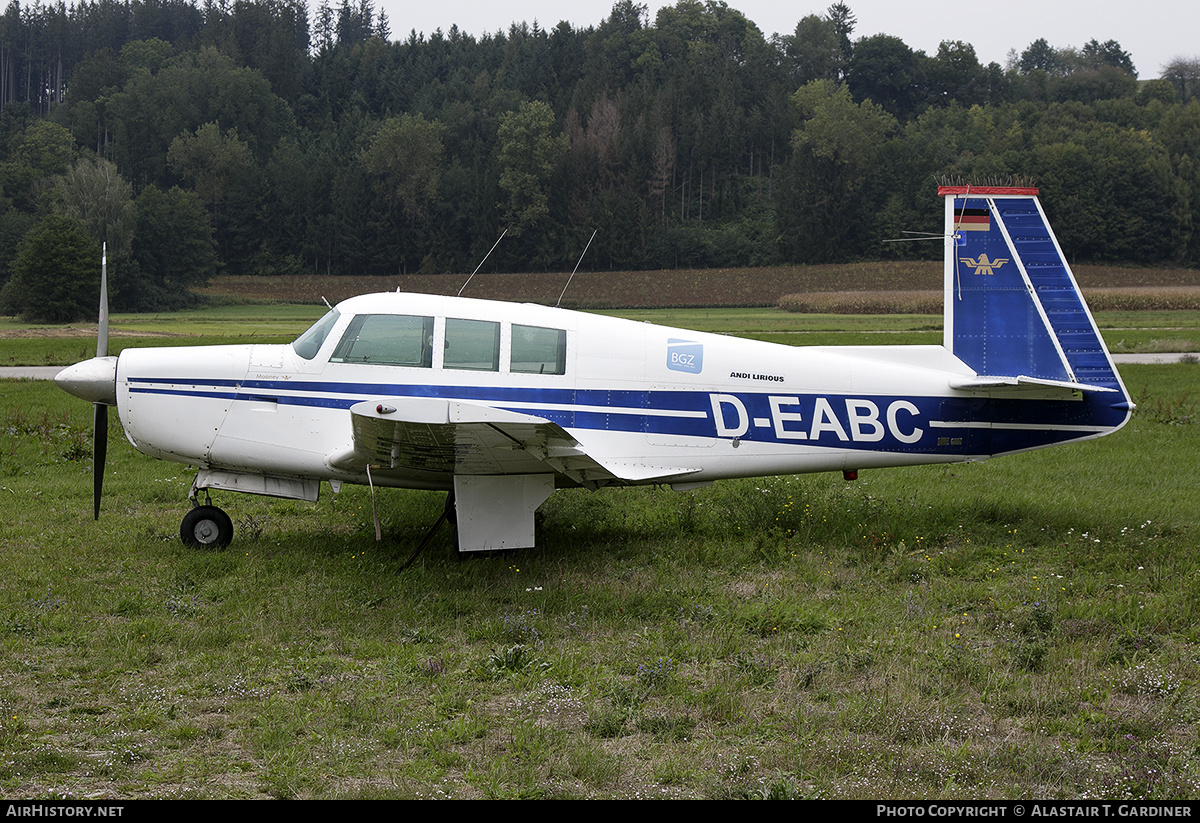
(405, 157)
(530, 147)
(101, 200)
(56, 273)
(822, 208)
(173, 252)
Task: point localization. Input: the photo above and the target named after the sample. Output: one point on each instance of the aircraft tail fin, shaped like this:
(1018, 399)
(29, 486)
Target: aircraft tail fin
(1012, 306)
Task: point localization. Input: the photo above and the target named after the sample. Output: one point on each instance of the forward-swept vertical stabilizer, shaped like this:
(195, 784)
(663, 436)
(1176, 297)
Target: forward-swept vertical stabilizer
(1014, 313)
(1012, 305)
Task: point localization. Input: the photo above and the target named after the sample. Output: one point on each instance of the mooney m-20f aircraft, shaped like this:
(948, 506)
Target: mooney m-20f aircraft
(500, 404)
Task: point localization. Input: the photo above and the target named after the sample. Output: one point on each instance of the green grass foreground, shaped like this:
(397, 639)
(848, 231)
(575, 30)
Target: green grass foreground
(1025, 627)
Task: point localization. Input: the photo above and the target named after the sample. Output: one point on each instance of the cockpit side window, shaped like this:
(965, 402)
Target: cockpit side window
(308, 344)
(472, 344)
(536, 350)
(387, 340)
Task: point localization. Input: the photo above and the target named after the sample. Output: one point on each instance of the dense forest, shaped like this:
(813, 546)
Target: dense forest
(250, 137)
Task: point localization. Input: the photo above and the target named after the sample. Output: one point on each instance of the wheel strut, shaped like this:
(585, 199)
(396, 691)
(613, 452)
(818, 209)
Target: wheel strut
(447, 512)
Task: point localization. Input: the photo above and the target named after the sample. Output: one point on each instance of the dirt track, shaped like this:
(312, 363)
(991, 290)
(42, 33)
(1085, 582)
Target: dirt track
(72, 331)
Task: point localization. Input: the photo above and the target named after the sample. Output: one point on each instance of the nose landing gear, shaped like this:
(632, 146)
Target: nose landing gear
(206, 527)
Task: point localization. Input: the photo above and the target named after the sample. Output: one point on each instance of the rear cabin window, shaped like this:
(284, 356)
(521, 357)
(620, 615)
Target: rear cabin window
(387, 340)
(472, 344)
(538, 351)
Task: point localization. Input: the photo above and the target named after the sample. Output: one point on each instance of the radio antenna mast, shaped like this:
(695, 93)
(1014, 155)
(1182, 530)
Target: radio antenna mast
(585, 249)
(484, 260)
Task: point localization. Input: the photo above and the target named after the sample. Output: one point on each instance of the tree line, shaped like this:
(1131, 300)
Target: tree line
(250, 138)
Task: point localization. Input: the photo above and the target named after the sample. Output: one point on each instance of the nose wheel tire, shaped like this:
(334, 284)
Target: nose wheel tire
(206, 527)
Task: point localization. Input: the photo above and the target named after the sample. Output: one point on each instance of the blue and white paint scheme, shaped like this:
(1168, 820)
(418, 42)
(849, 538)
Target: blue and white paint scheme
(501, 403)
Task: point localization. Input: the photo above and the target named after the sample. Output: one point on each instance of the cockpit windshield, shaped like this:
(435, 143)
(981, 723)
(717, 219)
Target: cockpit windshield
(308, 344)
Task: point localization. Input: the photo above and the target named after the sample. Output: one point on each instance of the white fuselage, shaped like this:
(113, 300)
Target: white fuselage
(636, 393)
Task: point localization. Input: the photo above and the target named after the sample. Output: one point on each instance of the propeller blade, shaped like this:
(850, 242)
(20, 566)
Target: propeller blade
(99, 410)
(102, 326)
(99, 453)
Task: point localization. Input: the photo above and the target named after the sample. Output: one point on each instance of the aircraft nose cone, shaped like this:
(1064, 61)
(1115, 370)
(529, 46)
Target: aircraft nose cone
(92, 380)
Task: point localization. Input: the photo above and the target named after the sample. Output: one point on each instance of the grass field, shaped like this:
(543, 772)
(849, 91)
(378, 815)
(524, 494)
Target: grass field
(1025, 627)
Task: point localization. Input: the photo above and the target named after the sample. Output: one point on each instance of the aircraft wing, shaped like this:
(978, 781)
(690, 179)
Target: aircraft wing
(458, 437)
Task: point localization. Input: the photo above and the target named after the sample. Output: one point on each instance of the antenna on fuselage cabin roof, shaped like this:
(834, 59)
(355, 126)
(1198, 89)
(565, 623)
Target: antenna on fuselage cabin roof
(585, 249)
(484, 260)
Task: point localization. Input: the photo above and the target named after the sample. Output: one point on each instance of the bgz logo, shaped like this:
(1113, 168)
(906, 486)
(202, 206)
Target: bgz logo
(684, 355)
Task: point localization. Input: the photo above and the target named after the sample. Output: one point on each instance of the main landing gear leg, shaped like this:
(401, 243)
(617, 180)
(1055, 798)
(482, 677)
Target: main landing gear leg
(206, 526)
(447, 513)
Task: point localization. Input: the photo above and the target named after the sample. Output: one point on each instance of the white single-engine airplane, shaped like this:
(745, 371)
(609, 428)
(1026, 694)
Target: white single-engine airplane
(500, 404)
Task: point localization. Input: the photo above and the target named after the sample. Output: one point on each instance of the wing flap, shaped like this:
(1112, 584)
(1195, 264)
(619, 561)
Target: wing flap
(454, 437)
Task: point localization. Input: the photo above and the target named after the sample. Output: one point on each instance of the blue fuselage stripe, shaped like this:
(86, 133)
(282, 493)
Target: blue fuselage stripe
(952, 425)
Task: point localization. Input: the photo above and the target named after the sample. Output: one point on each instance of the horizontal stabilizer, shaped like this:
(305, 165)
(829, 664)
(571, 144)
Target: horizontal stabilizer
(1021, 383)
